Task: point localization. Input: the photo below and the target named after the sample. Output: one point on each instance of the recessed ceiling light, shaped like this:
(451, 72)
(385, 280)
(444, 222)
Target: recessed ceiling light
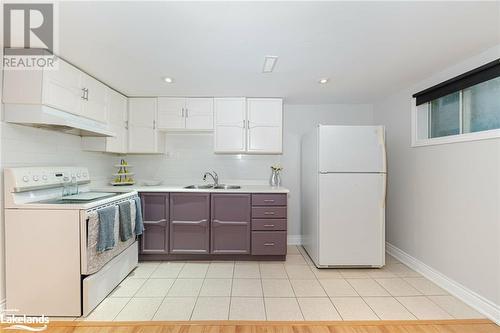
(323, 81)
(269, 63)
(168, 79)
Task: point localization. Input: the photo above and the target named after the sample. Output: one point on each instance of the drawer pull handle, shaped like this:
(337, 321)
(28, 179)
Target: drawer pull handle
(268, 225)
(268, 200)
(269, 213)
(268, 244)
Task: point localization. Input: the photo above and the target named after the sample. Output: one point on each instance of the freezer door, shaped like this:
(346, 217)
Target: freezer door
(351, 149)
(352, 219)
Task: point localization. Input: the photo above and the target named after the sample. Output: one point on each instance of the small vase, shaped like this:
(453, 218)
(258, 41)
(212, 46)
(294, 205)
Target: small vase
(275, 180)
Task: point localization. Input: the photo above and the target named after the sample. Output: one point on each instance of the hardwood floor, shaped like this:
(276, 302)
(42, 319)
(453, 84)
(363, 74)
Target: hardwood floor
(444, 326)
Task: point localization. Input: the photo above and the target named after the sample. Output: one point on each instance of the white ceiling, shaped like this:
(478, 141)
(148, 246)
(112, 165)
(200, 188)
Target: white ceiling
(367, 49)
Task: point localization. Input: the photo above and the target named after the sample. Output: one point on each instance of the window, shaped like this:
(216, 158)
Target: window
(461, 109)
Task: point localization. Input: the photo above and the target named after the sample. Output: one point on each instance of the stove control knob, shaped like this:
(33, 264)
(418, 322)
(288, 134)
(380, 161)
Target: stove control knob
(44, 177)
(36, 178)
(26, 179)
(84, 175)
(78, 175)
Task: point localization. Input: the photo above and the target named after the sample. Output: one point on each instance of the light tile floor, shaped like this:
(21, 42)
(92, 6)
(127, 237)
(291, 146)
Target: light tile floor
(290, 290)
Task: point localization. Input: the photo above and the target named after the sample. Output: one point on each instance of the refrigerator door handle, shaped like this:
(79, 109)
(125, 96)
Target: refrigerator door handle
(384, 196)
(381, 140)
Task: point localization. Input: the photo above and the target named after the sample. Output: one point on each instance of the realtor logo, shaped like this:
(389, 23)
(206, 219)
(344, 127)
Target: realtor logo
(28, 35)
(28, 27)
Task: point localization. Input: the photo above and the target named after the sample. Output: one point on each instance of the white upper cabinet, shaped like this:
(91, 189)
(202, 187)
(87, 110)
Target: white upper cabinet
(252, 125)
(65, 88)
(265, 125)
(117, 116)
(116, 109)
(61, 88)
(230, 123)
(199, 113)
(171, 113)
(192, 114)
(94, 106)
(142, 129)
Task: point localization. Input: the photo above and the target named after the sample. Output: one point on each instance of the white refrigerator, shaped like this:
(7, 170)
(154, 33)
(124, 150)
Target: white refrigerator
(343, 189)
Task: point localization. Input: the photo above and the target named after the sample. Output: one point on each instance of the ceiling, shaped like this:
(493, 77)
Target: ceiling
(367, 49)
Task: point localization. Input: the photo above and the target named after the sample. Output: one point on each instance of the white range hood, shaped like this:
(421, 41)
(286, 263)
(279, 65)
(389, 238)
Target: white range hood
(43, 116)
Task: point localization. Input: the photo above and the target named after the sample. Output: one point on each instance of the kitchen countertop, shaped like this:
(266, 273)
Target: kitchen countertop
(180, 188)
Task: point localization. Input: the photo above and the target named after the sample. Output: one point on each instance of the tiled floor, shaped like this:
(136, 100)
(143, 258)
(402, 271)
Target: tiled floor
(291, 290)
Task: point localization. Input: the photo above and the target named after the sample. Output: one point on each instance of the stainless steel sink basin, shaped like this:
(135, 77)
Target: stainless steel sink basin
(199, 187)
(227, 187)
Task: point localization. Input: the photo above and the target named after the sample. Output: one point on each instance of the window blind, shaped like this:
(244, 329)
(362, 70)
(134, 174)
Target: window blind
(486, 72)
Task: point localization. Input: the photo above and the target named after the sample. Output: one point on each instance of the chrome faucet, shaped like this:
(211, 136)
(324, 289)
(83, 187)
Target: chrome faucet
(214, 176)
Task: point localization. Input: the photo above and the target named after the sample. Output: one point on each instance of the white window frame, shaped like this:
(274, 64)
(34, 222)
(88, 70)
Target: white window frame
(417, 141)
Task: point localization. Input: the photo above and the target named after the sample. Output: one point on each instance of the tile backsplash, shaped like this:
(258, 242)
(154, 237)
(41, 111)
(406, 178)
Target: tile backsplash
(189, 156)
(28, 146)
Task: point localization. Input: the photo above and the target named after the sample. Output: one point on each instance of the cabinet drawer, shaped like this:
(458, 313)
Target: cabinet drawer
(268, 199)
(269, 242)
(269, 212)
(268, 224)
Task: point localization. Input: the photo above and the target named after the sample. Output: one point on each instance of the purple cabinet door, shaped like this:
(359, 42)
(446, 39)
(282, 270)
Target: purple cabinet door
(189, 223)
(230, 225)
(155, 214)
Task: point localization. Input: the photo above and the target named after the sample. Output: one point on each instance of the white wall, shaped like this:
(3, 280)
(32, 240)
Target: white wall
(443, 200)
(189, 156)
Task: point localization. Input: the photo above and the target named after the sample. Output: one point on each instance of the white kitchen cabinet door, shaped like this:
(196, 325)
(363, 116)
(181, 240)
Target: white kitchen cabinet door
(265, 125)
(61, 88)
(117, 117)
(230, 120)
(171, 113)
(143, 134)
(199, 113)
(94, 105)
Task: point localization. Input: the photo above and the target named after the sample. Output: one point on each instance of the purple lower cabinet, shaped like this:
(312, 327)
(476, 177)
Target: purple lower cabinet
(189, 223)
(269, 242)
(230, 224)
(154, 239)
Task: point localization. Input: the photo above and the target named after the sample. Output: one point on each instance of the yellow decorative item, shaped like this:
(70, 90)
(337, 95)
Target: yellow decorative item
(123, 176)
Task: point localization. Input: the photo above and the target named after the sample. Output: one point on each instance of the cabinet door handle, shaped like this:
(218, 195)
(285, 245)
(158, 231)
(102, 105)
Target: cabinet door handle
(83, 93)
(187, 112)
(155, 222)
(126, 124)
(268, 200)
(217, 222)
(268, 225)
(87, 95)
(189, 222)
(154, 124)
(268, 244)
(182, 112)
(269, 213)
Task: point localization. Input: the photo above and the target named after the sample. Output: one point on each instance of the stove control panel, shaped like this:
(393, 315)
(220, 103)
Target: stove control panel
(25, 179)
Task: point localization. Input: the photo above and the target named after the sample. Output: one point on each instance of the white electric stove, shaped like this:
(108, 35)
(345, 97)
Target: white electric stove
(52, 266)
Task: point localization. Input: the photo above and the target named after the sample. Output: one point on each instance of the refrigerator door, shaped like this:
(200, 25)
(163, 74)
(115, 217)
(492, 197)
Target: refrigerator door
(352, 219)
(351, 149)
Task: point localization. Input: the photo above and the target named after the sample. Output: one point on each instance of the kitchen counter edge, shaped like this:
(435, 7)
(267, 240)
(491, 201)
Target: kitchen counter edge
(174, 188)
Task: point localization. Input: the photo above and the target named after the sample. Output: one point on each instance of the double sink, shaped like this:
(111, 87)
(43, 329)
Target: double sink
(216, 187)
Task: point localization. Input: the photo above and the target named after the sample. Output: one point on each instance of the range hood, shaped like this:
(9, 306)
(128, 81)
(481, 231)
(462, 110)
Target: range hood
(43, 116)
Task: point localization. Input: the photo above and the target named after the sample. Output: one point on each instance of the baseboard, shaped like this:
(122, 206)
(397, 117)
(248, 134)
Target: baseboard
(294, 240)
(471, 298)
